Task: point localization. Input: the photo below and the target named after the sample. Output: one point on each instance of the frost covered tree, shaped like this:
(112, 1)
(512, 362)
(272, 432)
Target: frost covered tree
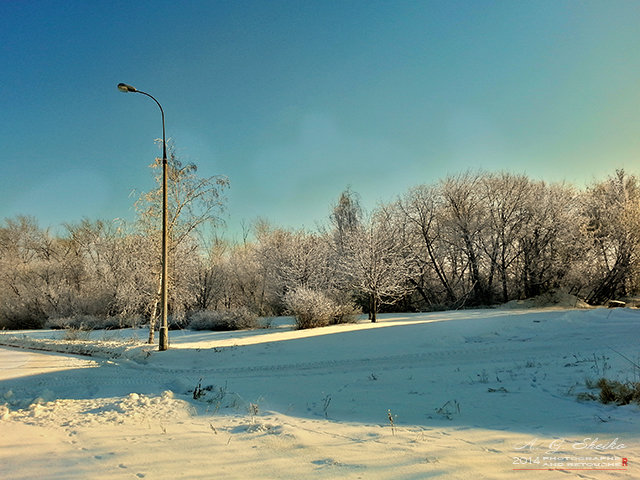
(346, 215)
(110, 267)
(193, 202)
(511, 236)
(21, 288)
(294, 259)
(377, 262)
(434, 278)
(612, 213)
(205, 281)
(506, 199)
(550, 241)
(463, 224)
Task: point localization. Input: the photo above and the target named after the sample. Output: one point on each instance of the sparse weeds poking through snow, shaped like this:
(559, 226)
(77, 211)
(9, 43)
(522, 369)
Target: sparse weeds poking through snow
(501, 390)
(254, 410)
(612, 391)
(392, 422)
(217, 397)
(449, 409)
(599, 364)
(326, 401)
(483, 377)
(198, 391)
(74, 334)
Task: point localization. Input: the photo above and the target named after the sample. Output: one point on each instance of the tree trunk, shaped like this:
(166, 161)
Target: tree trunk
(439, 271)
(611, 283)
(421, 291)
(154, 314)
(373, 308)
(505, 291)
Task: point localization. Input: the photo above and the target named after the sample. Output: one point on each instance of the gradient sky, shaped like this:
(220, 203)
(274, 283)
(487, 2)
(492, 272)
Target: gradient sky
(296, 100)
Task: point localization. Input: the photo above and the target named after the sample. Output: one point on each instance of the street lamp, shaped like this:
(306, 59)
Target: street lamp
(164, 329)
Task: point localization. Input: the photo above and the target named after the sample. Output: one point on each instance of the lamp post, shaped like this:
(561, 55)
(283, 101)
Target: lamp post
(164, 329)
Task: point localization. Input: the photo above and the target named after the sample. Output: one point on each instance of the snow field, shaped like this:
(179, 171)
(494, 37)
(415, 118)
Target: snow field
(464, 390)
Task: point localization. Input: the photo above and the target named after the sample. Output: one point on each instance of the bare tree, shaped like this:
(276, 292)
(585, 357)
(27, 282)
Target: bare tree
(550, 242)
(421, 208)
(613, 225)
(346, 215)
(194, 201)
(21, 303)
(377, 260)
(506, 199)
(294, 258)
(463, 223)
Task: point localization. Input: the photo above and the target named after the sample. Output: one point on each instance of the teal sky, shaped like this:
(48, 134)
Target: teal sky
(296, 100)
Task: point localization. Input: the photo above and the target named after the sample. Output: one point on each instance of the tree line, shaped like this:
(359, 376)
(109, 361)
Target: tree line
(472, 239)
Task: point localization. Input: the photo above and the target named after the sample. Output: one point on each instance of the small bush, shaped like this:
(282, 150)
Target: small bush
(311, 308)
(612, 391)
(90, 322)
(74, 334)
(346, 313)
(24, 318)
(222, 320)
(178, 321)
(76, 322)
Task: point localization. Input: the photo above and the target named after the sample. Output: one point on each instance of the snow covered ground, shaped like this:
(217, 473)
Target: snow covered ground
(468, 394)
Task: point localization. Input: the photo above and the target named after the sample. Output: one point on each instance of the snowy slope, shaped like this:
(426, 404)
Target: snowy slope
(483, 392)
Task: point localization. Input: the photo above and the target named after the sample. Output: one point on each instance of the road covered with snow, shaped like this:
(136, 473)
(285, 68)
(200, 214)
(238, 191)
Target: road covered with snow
(483, 393)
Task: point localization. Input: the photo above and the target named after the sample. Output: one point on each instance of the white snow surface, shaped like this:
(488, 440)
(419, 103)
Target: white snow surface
(469, 394)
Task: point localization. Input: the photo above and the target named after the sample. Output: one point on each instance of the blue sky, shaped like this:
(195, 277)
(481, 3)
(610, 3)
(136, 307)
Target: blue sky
(296, 100)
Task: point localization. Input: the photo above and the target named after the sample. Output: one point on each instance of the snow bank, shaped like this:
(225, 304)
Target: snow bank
(130, 349)
(552, 299)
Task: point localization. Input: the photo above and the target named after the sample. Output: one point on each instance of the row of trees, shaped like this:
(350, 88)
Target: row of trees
(468, 240)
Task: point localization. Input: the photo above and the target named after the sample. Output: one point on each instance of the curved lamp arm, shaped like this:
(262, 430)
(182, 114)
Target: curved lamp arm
(124, 88)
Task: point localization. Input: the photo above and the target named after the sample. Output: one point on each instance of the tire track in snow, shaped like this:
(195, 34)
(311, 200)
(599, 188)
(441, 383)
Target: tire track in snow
(436, 358)
(109, 373)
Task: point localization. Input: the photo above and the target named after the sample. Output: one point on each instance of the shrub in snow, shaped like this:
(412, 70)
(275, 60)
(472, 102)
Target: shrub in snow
(76, 322)
(346, 313)
(612, 391)
(75, 334)
(178, 321)
(90, 322)
(313, 308)
(21, 318)
(228, 319)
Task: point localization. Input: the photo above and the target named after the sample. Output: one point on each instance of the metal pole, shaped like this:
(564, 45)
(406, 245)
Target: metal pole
(164, 329)
(163, 343)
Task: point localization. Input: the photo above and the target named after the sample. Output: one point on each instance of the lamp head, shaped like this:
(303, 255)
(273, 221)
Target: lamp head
(123, 87)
